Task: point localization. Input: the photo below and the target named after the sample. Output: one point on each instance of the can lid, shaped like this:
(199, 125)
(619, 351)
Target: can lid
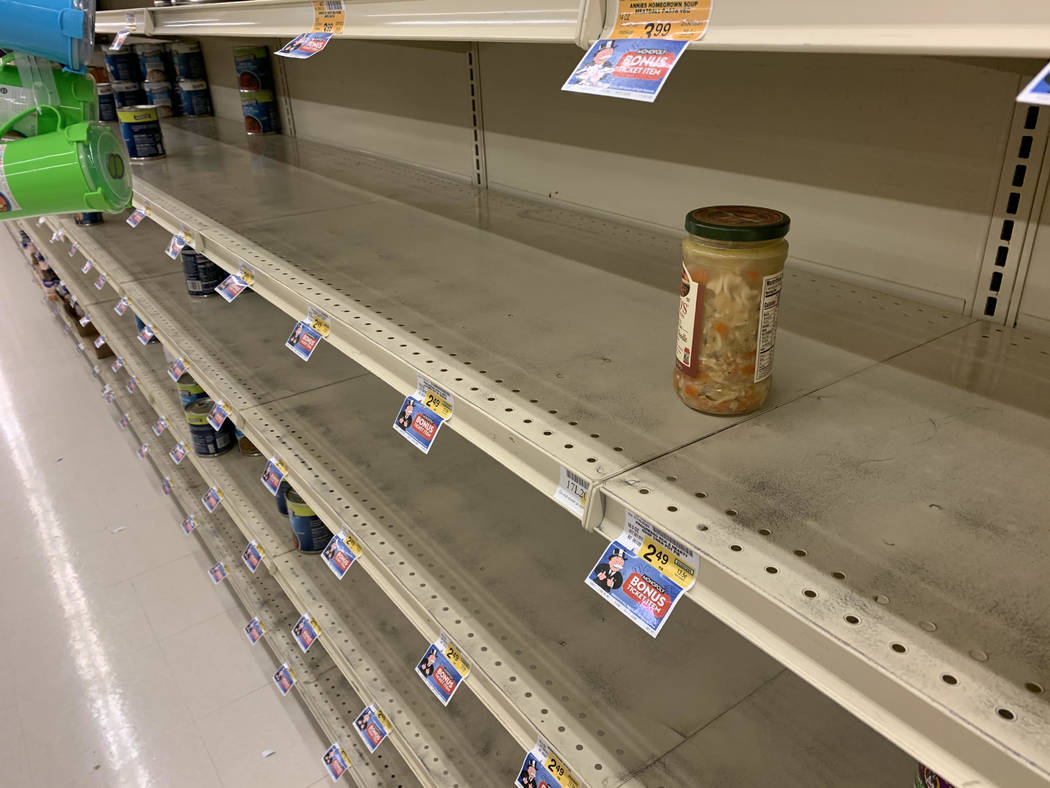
(200, 406)
(105, 165)
(737, 223)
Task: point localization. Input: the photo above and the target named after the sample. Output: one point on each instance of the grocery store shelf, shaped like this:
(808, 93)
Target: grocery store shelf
(542, 21)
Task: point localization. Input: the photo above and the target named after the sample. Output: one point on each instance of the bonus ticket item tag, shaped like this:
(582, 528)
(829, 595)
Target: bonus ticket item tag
(644, 572)
(629, 68)
(252, 556)
(342, 550)
(121, 307)
(372, 726)
(88, 265)
(177, 370)
(218, 573)
(143, 451)
(178, 453)
(132, 385)
(303, 340)
(231, 287)
(125, 421)
(118, 362)
(1038, 90)
(165, 486)
(336, 761)
(217, 415)
(572, 492)
(212, 499)
(305, 632)
(159, 426)
(304, 45)
(254, 630)
(109, 397)
(284, 679)
(443, 668)
(145, 335)
(136, 216)
(189, 525)
(118, 42)
(543, 767)
(84, 320)
(273, 475)
(73, 249)
(100, 282)
(422, 414)
(175, 245)
(100, 340)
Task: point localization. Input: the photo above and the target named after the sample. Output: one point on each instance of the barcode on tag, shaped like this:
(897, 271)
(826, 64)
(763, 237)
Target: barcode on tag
(572, 492)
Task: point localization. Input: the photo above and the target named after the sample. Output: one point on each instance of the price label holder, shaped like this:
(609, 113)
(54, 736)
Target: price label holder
(1038, 90)
(177, 370)
(336, 762)
(132, 385)
(73, 249)
(273, 474)
(218, 572)
(372, 726)
(57, 235)
(143, 451)
(305, 631)
(443, 668)
(136, 217)
(572, 492)
(88, 265)
(543, 767)
(159, 426)
(252, 556)
(121, 307)
(422, 414)
(212, 499)
(100, 282)
(189, 525)
(304, 45)
(234, 284)
(165, 486)
(217, 415)
(119, 39)
(84, 320)
(117, 365)
(175, 245)
(145, 334)
(254, 630)
(644, 573)
(306, 336)
(125, 421)
(284, 679)
(178, 453)
(100, 340)
(676, 20)
(342, 551)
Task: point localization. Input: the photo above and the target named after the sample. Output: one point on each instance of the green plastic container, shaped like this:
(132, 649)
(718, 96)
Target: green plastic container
(80, 167)
(77, 101)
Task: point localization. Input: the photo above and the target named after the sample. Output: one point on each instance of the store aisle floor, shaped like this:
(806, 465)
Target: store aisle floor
(123, 664)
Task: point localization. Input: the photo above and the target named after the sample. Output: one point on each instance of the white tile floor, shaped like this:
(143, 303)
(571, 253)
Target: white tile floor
(123, 664)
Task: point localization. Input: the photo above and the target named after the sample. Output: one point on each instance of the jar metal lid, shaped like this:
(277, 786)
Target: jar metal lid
(737, 223)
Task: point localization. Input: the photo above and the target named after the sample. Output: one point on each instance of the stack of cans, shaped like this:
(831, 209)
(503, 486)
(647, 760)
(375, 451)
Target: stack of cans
(191, 81)
(155, 71)
(255, 80)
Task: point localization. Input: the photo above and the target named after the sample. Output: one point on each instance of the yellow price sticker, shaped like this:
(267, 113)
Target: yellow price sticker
(353, 544)
(666, 562)
(560, 772)
(247, 277)
(383, 720)
(329, 16)
(677, 20)
(454, 656)
(320, 325)
(436, 401)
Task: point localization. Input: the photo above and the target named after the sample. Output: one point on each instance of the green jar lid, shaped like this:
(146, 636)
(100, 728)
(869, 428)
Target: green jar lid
(105, 164)
(740, 223)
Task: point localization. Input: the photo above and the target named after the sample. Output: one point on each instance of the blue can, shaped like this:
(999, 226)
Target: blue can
(207, 441)
(128, 94)
(59, 30)
(260, 112)
(87, 219)
(159, 95)
(188, 60)
(196, 101)
(202, 275)
(152, 65)
(311, 534)
(140, 127)
(122, 66)
(107, 104)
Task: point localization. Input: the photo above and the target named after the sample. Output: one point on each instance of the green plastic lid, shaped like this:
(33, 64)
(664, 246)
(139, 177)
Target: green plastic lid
(740, 223)
(105, 164)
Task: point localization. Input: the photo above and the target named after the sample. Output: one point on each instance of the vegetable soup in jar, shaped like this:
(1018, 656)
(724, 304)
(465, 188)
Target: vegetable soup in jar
(732, 271)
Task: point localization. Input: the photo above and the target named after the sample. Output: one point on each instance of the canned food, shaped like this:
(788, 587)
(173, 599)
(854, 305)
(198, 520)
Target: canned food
(253, 68)
(207, 442)
(282, 497)
(99, 74)
(159, 95)
(245, 445)
(107, 103)
(202, 275)
(189, 389)
(122, 67)
(140, 127)
(128, 94)
(196, 101)
(189, 62)
(311, 534)
(152, 67)
(87, 219)
(260, 112)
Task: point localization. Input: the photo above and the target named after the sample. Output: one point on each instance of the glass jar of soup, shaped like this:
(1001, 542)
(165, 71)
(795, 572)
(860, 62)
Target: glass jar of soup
(732, 271)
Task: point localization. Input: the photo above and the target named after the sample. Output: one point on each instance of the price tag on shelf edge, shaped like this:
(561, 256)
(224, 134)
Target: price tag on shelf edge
(100, 282)
(572, 492)
(100, 340)
(189, 525)
(273, 474)
(84, 320)
(254, 630)
(543, 767)
(678, 20)
(231, 287)
(165, 486)
(304, 339)
(178, 453)
(119, 39)
(212, 499)
(136, 217)
(73, 249)
(644, 573)
(125, 421)
(422, 414)
(284, 678)
(177, 370)
(372, 726)
(88, 265)
(159, 426)
(336, 761)
(57, 235)
(121, 307)
(329, 16)
(342, 551)
(217, 572)
(217, 415)
(306, 631)
(145, 334)
(118, 362)
(132, 384)
(252, 556)
(443, 668)
(143, 451)
(175, 245)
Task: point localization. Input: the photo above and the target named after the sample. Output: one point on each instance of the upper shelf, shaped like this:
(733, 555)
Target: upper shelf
(1017, 28)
